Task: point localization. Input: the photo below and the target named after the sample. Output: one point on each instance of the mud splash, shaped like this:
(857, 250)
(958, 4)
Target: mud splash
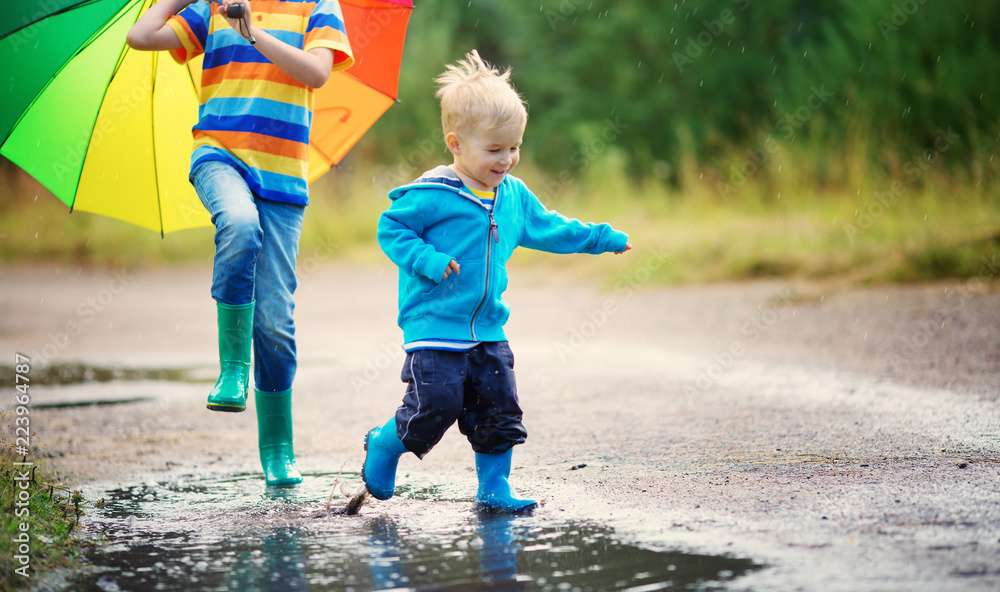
(208, 534)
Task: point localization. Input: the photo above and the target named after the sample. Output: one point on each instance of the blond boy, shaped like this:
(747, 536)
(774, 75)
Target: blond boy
(451, 232)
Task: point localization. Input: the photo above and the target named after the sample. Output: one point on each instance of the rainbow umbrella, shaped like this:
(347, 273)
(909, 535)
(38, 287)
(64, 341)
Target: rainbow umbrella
(108, 129)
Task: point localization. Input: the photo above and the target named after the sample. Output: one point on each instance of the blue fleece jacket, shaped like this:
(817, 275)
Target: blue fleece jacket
(436, 219)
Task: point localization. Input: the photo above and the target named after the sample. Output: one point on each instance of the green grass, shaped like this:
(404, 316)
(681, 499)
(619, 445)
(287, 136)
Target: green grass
(50, 513)
(777, 224)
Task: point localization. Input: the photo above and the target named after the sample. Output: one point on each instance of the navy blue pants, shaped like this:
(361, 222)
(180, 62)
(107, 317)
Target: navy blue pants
(475, 388)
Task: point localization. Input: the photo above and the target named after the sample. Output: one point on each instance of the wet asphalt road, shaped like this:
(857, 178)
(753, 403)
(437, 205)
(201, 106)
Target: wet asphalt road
(849, 439)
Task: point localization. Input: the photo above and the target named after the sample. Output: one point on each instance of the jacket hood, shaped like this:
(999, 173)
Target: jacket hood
(440, 177)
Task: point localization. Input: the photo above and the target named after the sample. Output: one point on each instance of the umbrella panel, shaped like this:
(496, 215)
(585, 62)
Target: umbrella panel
(377, 31)
(142, 146)
(51, 138)
(34, 54)
(336, 125)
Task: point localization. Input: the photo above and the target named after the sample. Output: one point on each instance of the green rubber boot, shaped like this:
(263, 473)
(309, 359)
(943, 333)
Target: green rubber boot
(274, 438)
(235, 338)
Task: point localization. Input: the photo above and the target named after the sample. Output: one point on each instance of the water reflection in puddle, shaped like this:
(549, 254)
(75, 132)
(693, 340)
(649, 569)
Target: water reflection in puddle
(224, 534)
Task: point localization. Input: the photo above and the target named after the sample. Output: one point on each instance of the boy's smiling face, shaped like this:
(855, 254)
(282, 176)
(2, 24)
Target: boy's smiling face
(483, 157)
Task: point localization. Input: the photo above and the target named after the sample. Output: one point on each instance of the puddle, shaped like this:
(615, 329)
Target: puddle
(203, 534)
(62, 374)
(90, 403)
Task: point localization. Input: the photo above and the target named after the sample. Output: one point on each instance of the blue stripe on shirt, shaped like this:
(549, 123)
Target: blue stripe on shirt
(267, 108)
(274, 128)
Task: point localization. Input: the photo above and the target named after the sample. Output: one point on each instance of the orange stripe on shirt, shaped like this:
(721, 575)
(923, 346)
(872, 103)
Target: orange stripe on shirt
(258, 143)
(268, 72)
(190, 46)
(295, 8)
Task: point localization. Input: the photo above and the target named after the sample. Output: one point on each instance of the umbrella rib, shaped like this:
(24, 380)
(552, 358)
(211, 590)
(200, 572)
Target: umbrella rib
(107, 87)
(62, 10)
(152, 123)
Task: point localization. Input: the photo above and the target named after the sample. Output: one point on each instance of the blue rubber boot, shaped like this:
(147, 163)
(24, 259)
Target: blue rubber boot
(382, 451)
(274, 438)
(235, 338)
(494, 493)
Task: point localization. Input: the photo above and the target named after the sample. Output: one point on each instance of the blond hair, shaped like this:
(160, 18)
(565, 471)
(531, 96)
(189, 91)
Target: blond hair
(476, 93)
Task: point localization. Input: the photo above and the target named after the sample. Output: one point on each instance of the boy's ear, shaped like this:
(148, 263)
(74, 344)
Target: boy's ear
(454, 142)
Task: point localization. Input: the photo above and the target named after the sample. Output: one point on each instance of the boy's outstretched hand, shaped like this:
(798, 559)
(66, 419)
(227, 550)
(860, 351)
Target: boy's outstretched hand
(452, 266)
(628, 247)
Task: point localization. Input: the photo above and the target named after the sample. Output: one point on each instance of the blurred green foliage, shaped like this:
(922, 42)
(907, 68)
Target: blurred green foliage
(705, 81)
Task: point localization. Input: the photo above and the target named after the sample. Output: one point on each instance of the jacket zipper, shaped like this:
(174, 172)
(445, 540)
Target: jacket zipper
(491, 236)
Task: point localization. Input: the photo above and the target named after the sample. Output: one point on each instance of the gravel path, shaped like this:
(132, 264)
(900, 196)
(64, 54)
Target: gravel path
(848, 438)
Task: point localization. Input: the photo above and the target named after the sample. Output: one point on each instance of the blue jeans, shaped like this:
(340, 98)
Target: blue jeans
(256, 245)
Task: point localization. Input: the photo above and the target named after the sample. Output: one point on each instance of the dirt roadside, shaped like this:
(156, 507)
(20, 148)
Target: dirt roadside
(847, 438)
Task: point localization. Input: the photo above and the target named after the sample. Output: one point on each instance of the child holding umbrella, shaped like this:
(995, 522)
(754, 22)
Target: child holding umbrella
(249, 168)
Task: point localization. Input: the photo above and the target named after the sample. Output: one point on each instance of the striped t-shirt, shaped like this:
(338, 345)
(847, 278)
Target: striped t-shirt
(488, 199)
(253, 114)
